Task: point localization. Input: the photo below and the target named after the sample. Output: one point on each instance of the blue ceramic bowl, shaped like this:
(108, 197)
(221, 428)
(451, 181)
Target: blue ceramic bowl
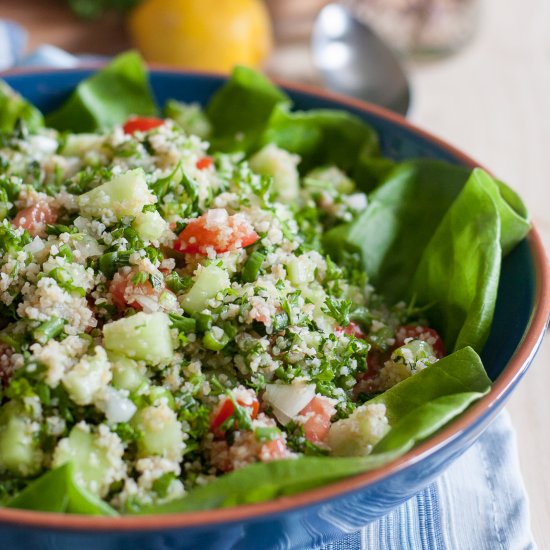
(320, 515)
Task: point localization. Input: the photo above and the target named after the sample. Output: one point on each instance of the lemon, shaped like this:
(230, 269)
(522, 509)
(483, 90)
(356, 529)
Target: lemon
(202, 34)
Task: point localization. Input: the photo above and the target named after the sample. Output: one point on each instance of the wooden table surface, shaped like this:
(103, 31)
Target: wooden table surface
(492, 100)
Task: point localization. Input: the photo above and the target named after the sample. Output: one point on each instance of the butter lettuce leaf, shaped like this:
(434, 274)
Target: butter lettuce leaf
(57, 491)
(240, 109)
(248, 112)
(436, 233)
(321, 137)
(402, 215)
(107, 98)
(13, 107)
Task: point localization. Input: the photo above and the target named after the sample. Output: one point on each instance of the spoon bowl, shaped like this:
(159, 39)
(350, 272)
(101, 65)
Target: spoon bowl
(354, 61)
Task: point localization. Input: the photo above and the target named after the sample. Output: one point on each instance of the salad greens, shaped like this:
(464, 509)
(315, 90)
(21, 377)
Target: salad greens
(432, 234)
(246, 92)
(321, 137)
(13, 108)
(418, 260)
(57, 491)
(112, 95)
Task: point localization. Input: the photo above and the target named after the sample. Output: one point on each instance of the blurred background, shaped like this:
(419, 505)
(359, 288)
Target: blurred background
(478, 73)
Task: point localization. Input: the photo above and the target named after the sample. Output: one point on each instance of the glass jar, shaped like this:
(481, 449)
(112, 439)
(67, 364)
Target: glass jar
(420, 27)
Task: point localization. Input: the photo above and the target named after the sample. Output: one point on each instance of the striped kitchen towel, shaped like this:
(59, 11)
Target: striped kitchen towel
(479, 503)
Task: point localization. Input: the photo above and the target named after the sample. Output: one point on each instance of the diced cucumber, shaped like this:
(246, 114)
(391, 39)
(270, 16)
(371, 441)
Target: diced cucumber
(316, 294)
(20, 452)
(301, 270)
(189, 116)
(91, 462)
(150, 225)
(330, 177)
(143, 336)
(208, 282)
(412, 352)
(127, 374)
(124, 195)
(168, 301)
(357, 434)
(282, 167)
(86, 380)
(77, 145)
(159, 395)
(161, 432)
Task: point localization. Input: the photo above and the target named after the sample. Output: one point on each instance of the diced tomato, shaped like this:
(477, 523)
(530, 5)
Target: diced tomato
(141, 124)
(216, 230)
(429, 335)
(35, 218)
(353, 329)
(318, 412)
(204, 163)
(375, 361)
(124, 291)
(273, 450)
(226, 409)
(245, 449)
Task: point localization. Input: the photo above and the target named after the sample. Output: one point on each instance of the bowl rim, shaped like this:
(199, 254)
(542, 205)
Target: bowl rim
(514, 370)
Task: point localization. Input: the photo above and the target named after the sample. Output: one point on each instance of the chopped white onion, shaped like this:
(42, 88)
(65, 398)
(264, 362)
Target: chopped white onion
(43, 144)
(87, 246)
(117, 407)
(149, 304)
(357, 201)
(35, 246)
(288, 400)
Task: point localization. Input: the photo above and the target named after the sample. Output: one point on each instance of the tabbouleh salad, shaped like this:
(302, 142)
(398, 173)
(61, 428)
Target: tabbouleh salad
(170, 313)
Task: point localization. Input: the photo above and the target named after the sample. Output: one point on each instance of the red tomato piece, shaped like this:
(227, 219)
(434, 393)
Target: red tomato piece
(204, 163)
(273, 450)
(318, 413)
(353, 329)
(217, 230)
(226, 409)
(141, 124)
(35, 218)
(124, 291)
(429, 335)
(376, 360)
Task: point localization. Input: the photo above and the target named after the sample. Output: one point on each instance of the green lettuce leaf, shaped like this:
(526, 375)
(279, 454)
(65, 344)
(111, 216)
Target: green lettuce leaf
(416, 408)
(460, 267)
(57, 491)
(403, 213)
(436, 233)
(425, 421)
(265, 481)
(107, 98)
(321, 137)
(240, 109)
(13, 108)
(460, 372)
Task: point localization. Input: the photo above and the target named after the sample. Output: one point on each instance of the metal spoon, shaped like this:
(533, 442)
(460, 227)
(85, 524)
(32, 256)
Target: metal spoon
(352, 60)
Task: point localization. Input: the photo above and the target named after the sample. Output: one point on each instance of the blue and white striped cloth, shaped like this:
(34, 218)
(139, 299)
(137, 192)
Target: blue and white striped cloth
(479, 503)
(12, 43)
